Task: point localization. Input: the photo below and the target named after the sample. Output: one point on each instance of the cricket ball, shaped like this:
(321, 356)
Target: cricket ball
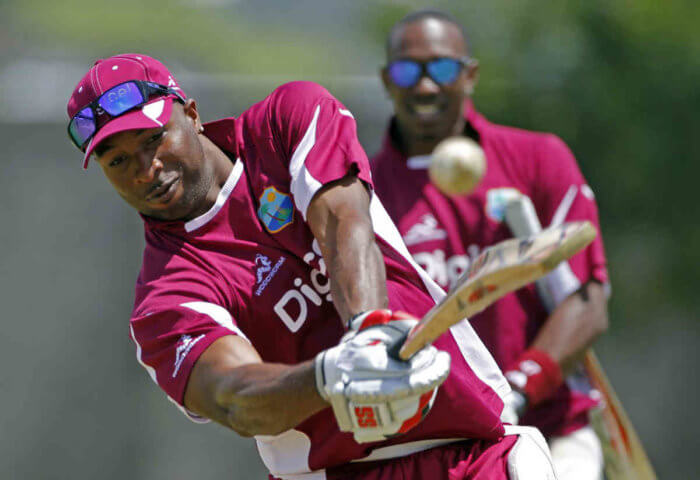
(457, 165)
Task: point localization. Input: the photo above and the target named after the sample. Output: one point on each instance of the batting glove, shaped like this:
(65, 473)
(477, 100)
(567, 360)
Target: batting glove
(374, 395)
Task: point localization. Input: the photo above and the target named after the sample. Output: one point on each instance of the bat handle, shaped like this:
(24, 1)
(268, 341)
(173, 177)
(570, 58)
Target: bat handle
(521, 218)
(394, 348)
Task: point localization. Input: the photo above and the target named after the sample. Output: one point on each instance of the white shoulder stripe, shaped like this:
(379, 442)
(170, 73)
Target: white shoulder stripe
(564, 207)
(151, 371)
(345, 112)
(479, 358)
(304, 185)
(217, 313)
(385, 228)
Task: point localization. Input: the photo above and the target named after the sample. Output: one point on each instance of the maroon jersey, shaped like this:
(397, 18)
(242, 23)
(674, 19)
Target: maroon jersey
(250, 267)
(445, 234)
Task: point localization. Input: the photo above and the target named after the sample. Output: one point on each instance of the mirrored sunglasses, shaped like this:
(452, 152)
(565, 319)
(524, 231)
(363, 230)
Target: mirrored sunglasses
(111, 104)
(443, 71)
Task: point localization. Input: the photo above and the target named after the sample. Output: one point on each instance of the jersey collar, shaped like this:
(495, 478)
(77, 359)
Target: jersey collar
(226, 136)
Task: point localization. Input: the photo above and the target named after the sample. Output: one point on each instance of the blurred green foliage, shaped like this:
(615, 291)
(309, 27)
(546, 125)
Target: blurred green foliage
(215, 38)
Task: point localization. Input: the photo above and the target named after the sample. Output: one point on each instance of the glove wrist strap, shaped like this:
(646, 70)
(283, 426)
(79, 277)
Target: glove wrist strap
(369, 318)
(537, 374)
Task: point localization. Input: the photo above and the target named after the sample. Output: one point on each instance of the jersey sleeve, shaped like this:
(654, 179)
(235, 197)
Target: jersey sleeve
(317, 135)
(561, 194)
(176, 316)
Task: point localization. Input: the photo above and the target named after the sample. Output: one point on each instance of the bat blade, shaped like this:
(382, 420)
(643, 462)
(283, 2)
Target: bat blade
(625, 458)
(500, 269)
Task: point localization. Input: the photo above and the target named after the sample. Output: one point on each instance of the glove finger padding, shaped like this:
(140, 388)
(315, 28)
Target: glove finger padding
(373, 394)
(390, 379)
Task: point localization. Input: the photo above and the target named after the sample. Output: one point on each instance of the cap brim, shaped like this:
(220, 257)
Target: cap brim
(153, 114)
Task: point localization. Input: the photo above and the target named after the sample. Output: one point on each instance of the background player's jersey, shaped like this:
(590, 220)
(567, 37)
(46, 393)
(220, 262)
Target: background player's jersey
(445, 234)
(250, 267)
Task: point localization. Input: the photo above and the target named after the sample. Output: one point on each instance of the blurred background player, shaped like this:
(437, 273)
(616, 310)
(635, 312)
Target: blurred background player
(430, 76)
(268, 268)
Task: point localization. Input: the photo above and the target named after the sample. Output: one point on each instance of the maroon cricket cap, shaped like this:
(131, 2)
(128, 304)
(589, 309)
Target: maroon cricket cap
(108, 72)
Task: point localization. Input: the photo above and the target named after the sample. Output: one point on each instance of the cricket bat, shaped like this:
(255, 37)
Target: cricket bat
(625, 458)
(500, 269)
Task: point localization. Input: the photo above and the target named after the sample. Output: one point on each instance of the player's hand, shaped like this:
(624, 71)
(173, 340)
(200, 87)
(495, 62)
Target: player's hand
(373, 394)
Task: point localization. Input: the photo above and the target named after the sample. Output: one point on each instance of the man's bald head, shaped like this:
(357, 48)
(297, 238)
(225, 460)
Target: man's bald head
(394, 39)
(429, 75)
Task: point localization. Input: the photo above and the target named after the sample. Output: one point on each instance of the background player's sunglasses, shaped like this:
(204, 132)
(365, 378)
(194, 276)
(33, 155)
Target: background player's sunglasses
(443, 71)
(114, 102)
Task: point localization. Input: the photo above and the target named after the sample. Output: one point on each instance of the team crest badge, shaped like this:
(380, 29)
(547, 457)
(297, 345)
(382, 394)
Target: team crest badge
(496, 201)
(276, 209)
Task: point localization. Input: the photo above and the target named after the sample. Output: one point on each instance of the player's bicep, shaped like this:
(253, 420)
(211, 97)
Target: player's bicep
(213, 370)
(346, 199)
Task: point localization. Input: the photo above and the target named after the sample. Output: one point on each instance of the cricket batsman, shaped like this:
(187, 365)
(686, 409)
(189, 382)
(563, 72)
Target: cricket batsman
(430, 76)
(273, 283)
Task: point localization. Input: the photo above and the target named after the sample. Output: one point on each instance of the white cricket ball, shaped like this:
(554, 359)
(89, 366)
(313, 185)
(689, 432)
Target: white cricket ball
(457, 165)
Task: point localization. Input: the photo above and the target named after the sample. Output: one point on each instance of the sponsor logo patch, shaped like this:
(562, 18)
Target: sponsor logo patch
(264, 265)
(265, 271)
(183, 348)
(427, 229)
(276, 209)
(293, 307)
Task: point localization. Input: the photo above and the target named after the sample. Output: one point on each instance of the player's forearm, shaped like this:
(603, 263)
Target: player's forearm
(231, 385)
(267, 399)
(356, 267)
(573, 326)
(339, 218)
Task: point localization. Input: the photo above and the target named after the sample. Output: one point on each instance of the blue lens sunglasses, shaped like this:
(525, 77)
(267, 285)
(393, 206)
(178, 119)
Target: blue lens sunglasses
(443, 71)
(111, 104)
